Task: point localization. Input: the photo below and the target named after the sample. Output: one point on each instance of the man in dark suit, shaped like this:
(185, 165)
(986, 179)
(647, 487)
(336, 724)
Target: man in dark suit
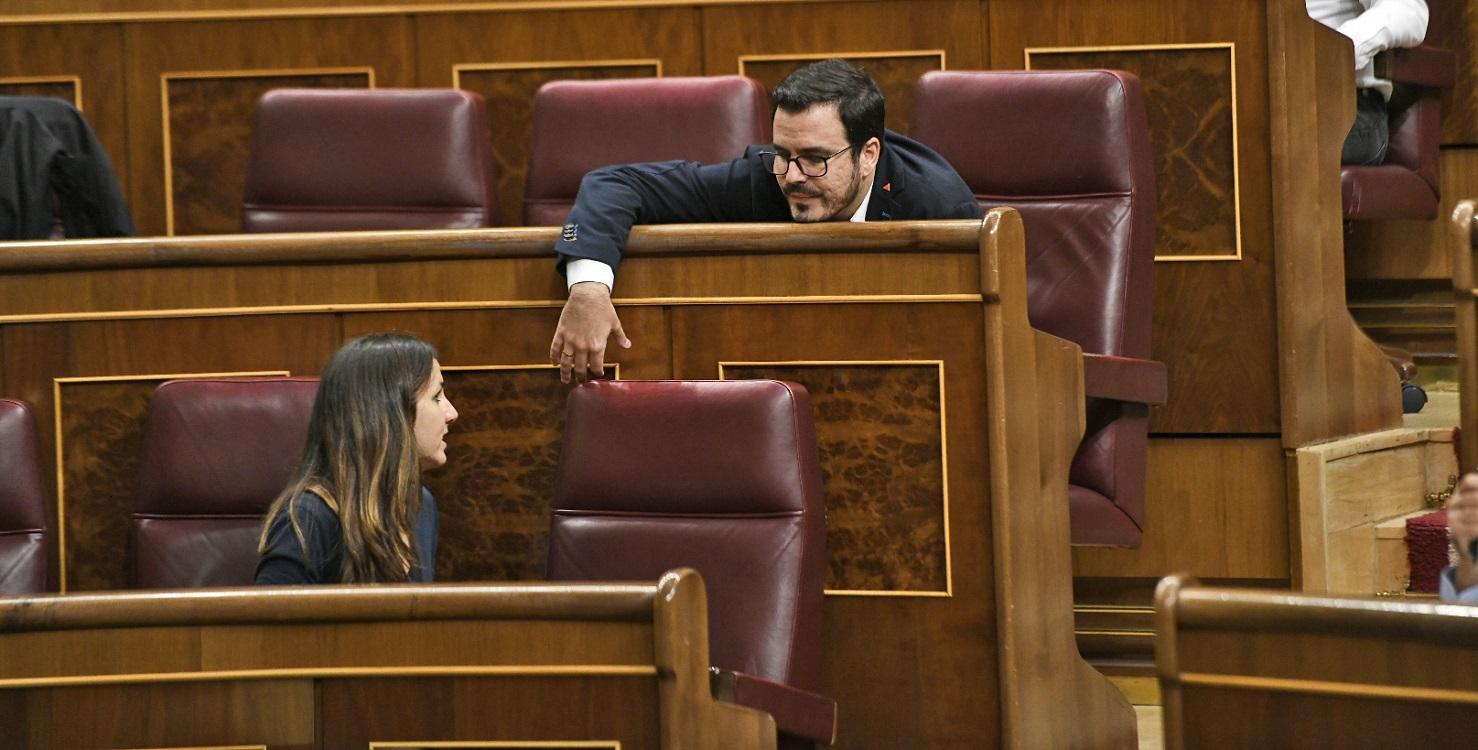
(832, 160)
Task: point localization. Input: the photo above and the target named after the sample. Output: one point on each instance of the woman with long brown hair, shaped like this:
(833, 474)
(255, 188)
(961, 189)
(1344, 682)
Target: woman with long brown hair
(355, 510)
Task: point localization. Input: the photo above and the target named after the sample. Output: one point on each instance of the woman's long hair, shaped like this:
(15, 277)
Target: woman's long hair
(361, 455)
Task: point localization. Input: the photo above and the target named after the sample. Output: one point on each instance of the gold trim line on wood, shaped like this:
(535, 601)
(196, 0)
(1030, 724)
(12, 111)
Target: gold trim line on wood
(76, 82)
(606, 744)
(195, 75)
(1231, 48)
(873, 55)
(949, 585)
(1114, 633)
(460, 68)
(520, 670)
(350, 307)
(1326, 687)
(1112, 609)
(56, 409)
(429, 9)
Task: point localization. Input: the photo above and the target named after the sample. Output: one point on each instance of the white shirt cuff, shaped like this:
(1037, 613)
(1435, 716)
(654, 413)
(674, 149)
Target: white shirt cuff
(586, 269)
(1447, 589)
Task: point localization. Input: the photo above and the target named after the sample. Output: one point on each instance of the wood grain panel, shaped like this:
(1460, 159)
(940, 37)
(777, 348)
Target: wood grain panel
(93, 53)
(1215, 324)
(1454, 24)
(880, 432)
(895, 73)
(509, 89)
(193, 716)
(207, 122)
(68, 89)
(894, 41)
(878, 664)
(1190, 98)
(1215, 506)
(154, 50)
(613, 713)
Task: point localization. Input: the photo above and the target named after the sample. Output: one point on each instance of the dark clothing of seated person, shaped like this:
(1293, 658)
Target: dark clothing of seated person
(319, 556)
(832, 160)
(355, 510)
(1373, 26)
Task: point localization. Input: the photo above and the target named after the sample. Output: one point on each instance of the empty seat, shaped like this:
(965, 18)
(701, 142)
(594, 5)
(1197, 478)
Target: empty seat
(25, 536)
(346, 159)
(216, 453)
(723, 477)
(583, 125)
(1070, 150)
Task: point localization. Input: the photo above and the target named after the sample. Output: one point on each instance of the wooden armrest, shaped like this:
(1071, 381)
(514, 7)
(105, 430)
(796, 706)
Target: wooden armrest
(1419, 66)
(1141, 381)
(797, 712)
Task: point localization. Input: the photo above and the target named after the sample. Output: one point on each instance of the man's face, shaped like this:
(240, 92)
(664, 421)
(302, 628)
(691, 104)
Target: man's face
(818, 132)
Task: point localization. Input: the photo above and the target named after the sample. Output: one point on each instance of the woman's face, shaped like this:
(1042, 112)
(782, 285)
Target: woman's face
(434, 412)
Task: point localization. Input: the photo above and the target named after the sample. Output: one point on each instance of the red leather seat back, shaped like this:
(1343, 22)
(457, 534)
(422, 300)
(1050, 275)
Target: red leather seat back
(347, 159)
(216, 452)
(583, 125)
(1070, 150)
(721, 476)
(24, 532)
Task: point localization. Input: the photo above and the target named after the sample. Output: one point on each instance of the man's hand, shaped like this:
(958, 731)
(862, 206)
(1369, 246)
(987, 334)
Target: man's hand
(1462, 523)
(588, 320)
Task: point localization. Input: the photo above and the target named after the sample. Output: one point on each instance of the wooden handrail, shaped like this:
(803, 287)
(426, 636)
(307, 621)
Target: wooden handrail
(679, 240)
(344, 603)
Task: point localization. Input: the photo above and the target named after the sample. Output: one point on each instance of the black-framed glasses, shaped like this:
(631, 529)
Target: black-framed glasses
(810, 165)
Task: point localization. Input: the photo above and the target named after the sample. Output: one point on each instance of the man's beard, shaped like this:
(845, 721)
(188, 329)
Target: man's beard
(840, 206)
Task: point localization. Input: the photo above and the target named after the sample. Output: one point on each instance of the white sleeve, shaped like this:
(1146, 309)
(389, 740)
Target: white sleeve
(586, 269)
(1386, 24)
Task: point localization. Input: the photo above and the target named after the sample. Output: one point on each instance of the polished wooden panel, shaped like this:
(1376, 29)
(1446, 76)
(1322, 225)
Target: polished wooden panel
(1454, 25)
(1216, 508)
(880, 430)
(509, 89)
(1215, 323)
(1334, 380)
(1190, 100)
(208, 118)
(309, 667)
(895, 73)
(507, 56)
(1272, 669)
(226, 47)
(896, 41)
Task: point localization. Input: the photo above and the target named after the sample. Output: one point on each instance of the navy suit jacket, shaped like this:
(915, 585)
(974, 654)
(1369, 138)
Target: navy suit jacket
(911, 182)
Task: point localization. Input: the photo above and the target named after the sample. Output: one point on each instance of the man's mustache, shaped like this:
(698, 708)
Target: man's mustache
(801, 190)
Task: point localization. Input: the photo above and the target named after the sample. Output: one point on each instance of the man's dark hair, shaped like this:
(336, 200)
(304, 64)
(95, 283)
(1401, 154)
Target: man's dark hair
(836, 81)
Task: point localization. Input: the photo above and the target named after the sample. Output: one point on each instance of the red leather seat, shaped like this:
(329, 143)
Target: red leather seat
(346, 159)
(582, 125)
(723, 477)
(1070, 150)
(216, 452)
(25, 536)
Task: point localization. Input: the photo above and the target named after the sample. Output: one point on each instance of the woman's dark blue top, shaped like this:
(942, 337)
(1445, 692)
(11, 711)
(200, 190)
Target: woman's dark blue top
(285, 563)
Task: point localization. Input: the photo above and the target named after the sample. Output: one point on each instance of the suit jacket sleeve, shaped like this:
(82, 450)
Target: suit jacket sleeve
(613, 199)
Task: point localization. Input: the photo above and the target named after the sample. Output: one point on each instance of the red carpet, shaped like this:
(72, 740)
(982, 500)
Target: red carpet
(1426, 550)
